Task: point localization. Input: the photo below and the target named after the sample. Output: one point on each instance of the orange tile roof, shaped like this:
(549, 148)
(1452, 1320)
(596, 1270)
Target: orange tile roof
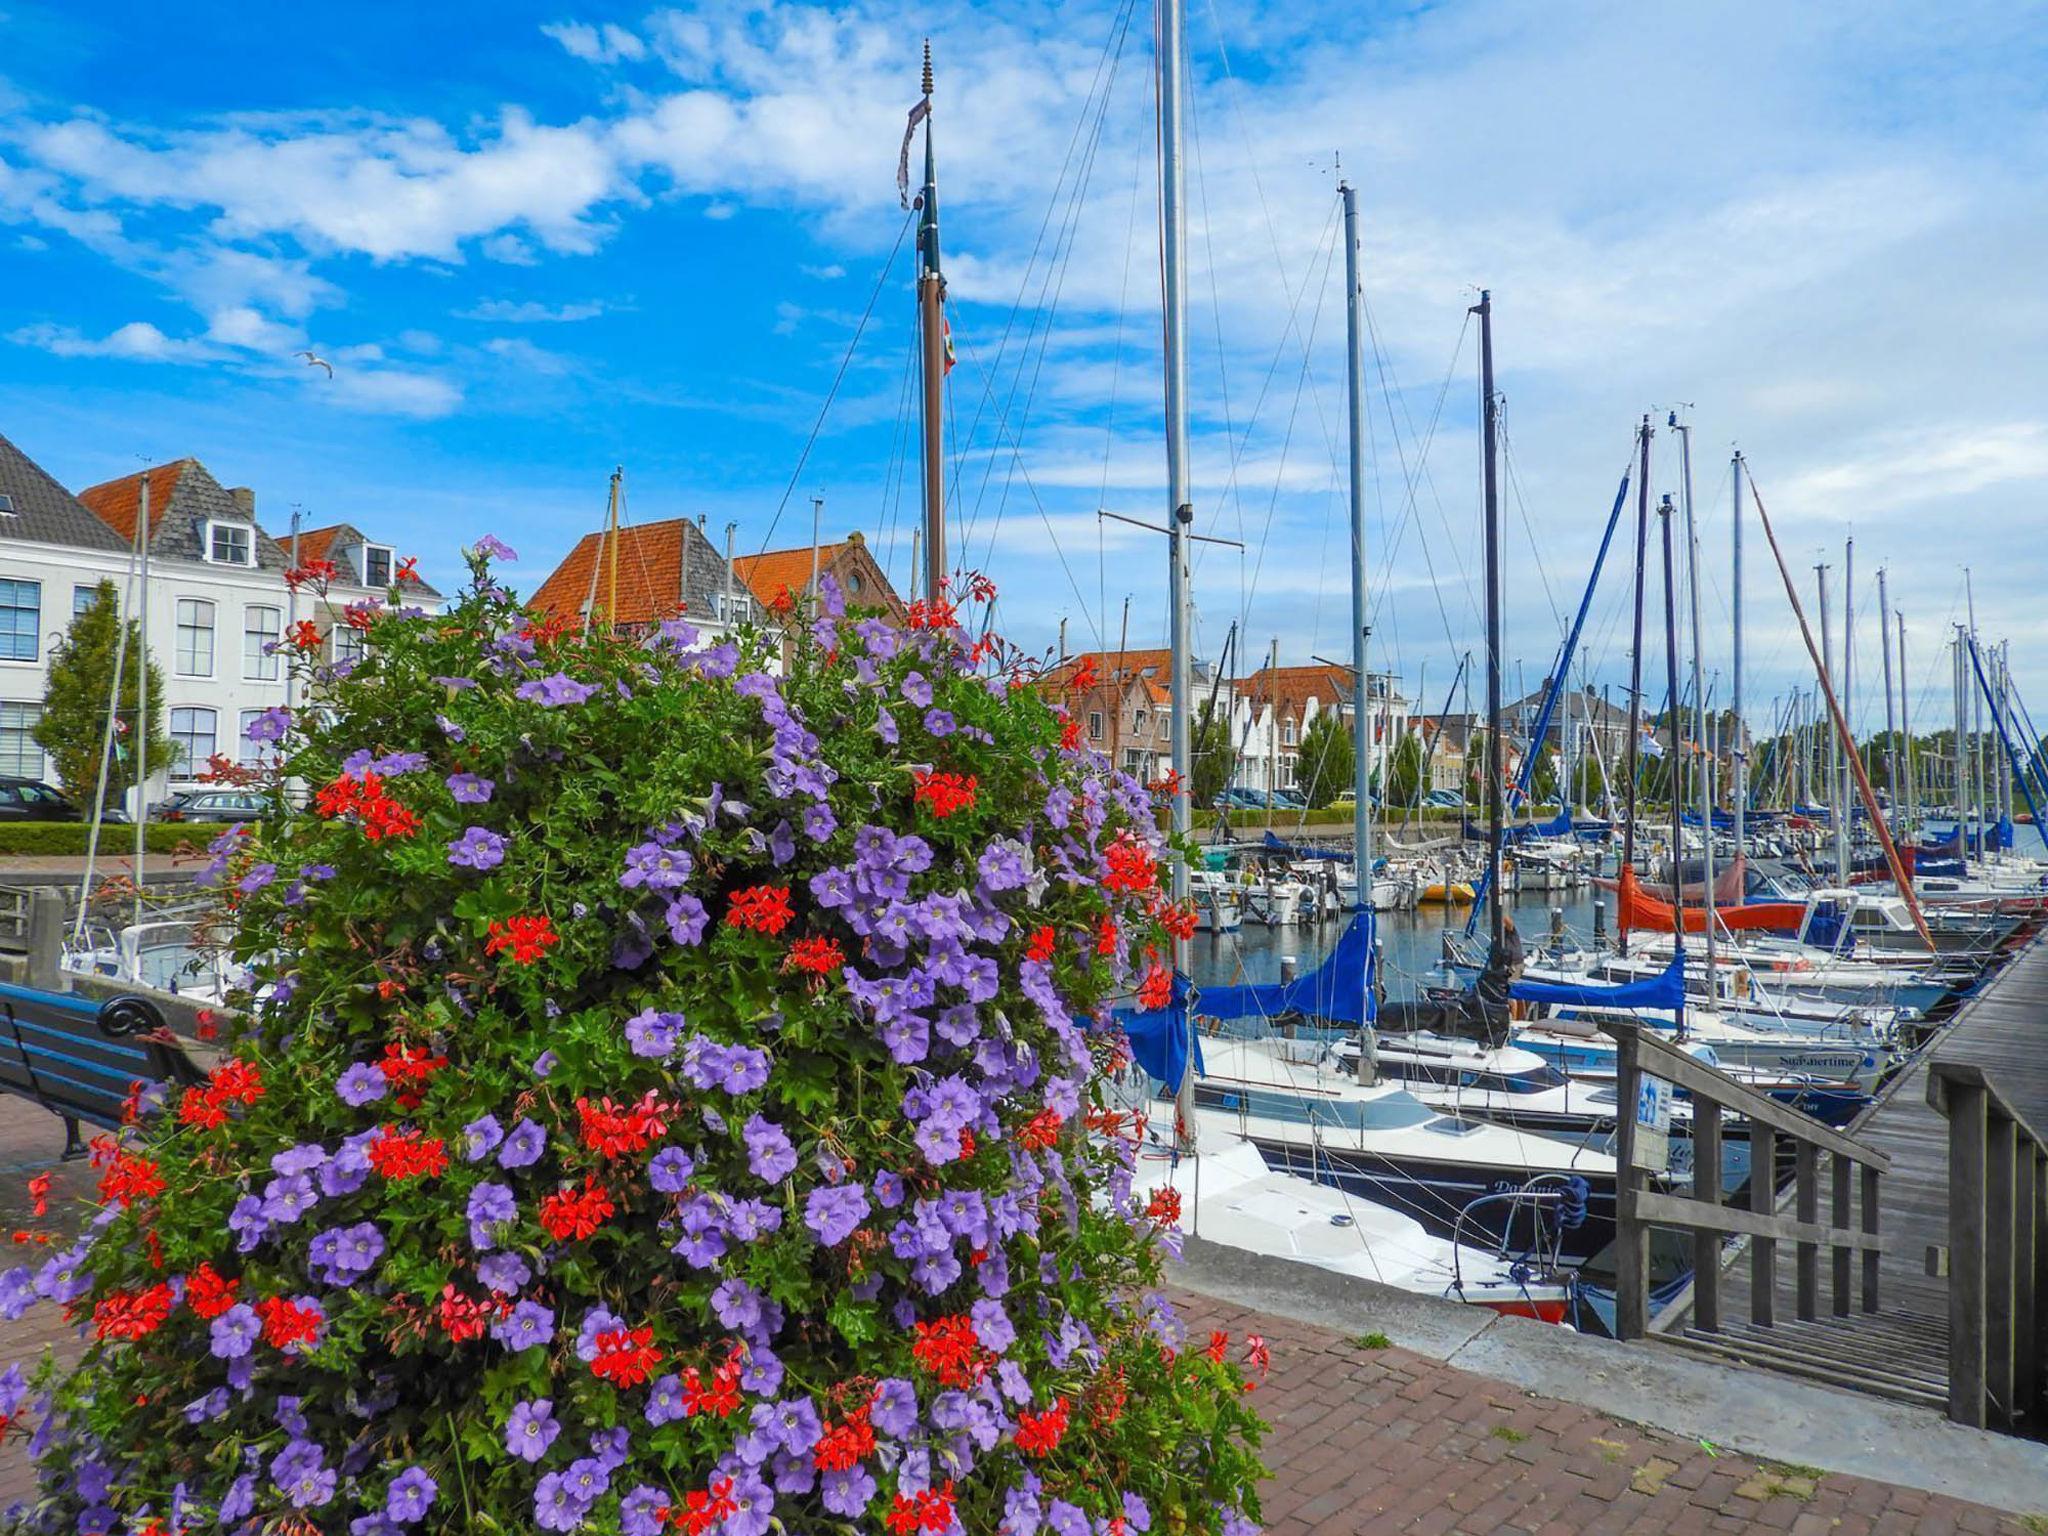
(118, 502)
(315, 542)
(650, 567)
(1113, 664)
(769, 575)
(1292, 687)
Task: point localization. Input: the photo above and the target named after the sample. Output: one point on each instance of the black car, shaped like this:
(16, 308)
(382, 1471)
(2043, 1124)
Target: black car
(33, 800)
(210, 805)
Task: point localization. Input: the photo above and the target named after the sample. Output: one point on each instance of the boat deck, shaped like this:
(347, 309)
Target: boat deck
(1902, 1352)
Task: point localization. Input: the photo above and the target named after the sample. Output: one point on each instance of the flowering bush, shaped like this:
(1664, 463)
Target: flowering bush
(663, 1106)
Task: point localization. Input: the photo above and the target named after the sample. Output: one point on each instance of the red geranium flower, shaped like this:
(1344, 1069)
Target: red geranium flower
(1039, 1434)
(613, 1132)
(763, 908)
(132, 1314)
(819, 956)
(286, 1323)
(625, 1358)
(408, 1153)
(944, 793)
(208, 1293)
(1042, 942)
(528, 938)
(576, 1213)
(130, 1178)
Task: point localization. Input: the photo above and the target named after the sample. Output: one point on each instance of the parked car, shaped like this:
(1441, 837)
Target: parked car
(210, 805)
(33, 800)
(1445, 799)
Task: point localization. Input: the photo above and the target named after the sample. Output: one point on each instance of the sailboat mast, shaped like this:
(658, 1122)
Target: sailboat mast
(1834, 742)
(142, 531)
(1906, 726)
(1738, 754)
(1891, 721)
(931, 320)
(1699, 694)
(1179, 510)
(1677, 803)
(1635, 679)
(1849, 747)
(1496, 788)
(1361, 690)
(1980, 779)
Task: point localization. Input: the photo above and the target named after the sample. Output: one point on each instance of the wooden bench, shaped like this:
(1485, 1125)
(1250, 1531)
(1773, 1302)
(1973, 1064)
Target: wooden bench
(82, 1059)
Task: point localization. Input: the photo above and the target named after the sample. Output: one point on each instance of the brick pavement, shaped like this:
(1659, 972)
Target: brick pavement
(1363, 1440)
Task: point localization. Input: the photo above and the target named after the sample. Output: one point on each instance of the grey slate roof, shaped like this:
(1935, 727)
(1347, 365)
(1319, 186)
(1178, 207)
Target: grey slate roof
(44, 512)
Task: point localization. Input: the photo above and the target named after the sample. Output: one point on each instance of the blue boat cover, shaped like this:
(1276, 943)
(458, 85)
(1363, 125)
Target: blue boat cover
(1665, 990)
(2001, 836)
(1160, 1037)
(1303, 851)
(1339, 991)
(1952, 844)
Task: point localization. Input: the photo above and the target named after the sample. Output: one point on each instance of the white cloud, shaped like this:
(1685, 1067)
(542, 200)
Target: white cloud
(137, 341)
(523, 354)
(830, 272)
(527, 312)
(605, 44)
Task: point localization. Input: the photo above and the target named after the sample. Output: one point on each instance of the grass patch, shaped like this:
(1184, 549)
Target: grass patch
(1372, 1341)
(1508, 1433)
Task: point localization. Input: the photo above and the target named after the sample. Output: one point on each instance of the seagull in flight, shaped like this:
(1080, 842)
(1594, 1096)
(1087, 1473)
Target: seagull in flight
(316, 362)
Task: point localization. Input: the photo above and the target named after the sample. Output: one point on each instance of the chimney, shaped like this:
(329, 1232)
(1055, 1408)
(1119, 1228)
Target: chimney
(245, 501)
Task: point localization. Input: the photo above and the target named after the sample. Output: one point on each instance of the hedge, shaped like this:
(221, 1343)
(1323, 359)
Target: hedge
(59, 838)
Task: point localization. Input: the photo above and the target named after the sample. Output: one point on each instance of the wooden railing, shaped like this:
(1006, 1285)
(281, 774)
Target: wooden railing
(1997, 1251)
(1850, 1230)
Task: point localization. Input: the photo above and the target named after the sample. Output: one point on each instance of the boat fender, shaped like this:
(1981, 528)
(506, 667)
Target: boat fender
(1571, 1208)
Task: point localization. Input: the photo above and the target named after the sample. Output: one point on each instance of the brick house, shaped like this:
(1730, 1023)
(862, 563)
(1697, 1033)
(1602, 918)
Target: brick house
(663, 570)
(1125, 706)
(783, 574)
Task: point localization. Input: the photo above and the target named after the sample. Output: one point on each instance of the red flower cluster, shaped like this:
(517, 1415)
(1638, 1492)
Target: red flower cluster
(931, 1510)
(1164, 1206)
(1039, 1434)
(527, 938)
(945, 793)
(703, 1508)
(1131, 866)
(39, 1194)
(233, 1082)
(1156, 990)
(1070, 734)
(1105, 935)
(947, 1348)
(407, 1153)
(612, 1132)
(1083, 677)
(130, 1178)
(1219, 1345)
(408, 1069)
(1256, 1354)
(365, 799)
(1042, 1132)
(1177, 918)
(208, 1293)
(763, 908)
(576, 1214)
(286, 1323)
(361, 616)
(305, 635)
(845, 1445)
(318, 571)
(721, 1398)
(1042, 942)
(936, 614)
(625, 1358)
(462, 1317)
(821, 957)
(132, 1314)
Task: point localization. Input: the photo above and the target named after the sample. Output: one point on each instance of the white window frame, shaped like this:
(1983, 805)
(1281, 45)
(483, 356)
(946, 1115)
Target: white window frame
(1095, 725)
(733, 608)
(1287, 733)
(390, 565)
(252, 754)
(185, 658)
(258, 664)
(189, 764)
(82, 594)
(18, 745)
(13, 631)
(219, 525)
(345, 643)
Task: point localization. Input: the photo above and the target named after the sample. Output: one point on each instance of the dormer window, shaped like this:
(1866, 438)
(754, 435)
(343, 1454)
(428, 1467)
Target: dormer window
(230, 543)
(377, 565)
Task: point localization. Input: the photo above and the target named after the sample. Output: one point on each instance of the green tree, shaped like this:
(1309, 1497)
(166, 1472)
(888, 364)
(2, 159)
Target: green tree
(1214, 753)
(1327, 765)
(1404, 772)
(74, 721)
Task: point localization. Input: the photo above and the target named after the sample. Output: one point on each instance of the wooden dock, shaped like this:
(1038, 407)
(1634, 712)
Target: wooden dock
(1901, 1352)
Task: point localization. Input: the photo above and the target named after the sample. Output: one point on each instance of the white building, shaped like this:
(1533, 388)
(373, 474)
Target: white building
(217, 600)
(1271, 711)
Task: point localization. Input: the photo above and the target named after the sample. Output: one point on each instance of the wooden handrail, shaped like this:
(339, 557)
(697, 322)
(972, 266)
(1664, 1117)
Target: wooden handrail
(1709, 1219)
(1945, 1077)
(1667, 1061)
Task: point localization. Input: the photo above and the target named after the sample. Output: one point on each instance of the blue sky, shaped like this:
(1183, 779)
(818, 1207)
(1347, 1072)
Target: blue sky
(538, 241)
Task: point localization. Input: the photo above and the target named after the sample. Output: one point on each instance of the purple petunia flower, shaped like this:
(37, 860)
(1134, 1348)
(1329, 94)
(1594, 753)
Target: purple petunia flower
(410, 1495)
(531, 1429)
(491, 547)
(653, 1033)
(917, 690)
(504, 1273)
(259, 876)
(361, 1084)
(528, 1324)
(234, 1332)
(478, 848)
(894, 1408)
(270, 724)
(489, 1204)
(650, 866)
(468, 789)
(670, 1170)
(769, 1154)
(834, 1211)
(554, 690)
(480, 1138)
(523, 1146)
